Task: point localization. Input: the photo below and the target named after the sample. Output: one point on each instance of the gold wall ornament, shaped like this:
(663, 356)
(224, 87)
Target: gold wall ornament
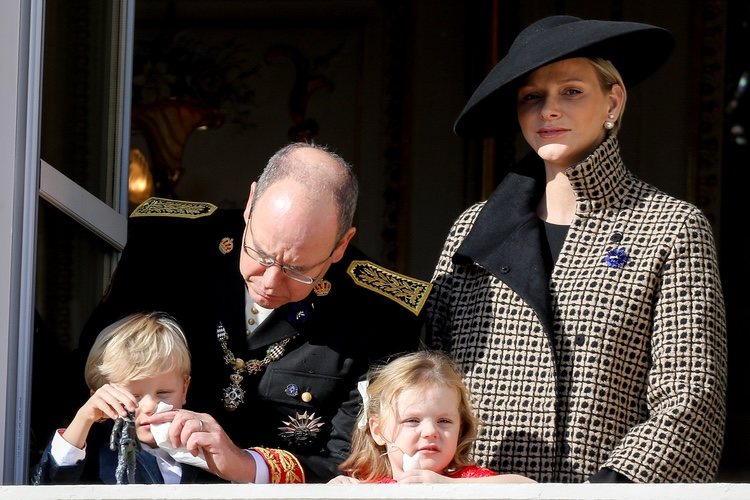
(140, 180)
(166, 125)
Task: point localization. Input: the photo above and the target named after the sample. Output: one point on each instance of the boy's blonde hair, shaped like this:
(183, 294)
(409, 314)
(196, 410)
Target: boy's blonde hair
(136, 347)
(368, 460)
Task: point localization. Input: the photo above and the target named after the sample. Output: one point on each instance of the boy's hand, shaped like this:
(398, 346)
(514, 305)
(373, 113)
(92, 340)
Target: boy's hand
(109, 401)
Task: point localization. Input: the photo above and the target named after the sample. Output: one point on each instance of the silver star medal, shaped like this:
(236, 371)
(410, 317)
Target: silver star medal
(301, 429)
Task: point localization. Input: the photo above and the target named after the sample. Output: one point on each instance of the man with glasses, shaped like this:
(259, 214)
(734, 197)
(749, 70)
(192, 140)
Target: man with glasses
(278, 347)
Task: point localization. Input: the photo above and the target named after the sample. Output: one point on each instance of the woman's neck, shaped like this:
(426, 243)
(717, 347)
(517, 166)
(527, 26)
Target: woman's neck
(558, 204)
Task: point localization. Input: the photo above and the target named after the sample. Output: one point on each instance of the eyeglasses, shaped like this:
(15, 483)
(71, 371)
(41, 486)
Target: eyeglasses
(268, 261)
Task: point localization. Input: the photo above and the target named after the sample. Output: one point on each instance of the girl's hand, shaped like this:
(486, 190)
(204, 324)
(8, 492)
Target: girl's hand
(421, 476)
(343, 480)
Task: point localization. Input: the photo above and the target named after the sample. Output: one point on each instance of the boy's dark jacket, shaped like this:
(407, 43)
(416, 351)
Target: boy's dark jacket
(100, 464)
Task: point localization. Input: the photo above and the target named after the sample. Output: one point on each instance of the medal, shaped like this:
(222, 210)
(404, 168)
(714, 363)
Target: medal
(301, 429)
(234, 395)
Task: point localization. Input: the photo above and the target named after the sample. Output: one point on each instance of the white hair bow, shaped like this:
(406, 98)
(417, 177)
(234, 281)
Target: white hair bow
(362, 388)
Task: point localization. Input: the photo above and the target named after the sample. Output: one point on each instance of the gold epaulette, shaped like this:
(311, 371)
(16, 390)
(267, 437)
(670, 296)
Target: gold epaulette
(283, 467)
(409, 292)
(173, 208)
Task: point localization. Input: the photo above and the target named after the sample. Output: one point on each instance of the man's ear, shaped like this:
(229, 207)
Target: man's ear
(338, 252)
(375, 431)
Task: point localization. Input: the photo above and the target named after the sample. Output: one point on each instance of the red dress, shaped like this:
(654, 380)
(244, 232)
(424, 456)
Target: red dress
(468, 471)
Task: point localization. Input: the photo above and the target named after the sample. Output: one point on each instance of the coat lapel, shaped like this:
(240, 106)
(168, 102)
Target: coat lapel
(229, 287)
(507, 239)
(282, 323)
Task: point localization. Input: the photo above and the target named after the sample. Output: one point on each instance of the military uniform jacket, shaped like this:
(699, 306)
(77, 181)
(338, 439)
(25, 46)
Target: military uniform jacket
(189, 267)
(618, 359)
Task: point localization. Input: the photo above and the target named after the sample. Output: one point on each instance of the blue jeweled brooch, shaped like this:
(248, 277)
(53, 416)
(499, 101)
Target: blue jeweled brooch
(617, 258)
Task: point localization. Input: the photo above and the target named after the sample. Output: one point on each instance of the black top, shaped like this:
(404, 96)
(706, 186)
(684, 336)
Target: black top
(555, 234)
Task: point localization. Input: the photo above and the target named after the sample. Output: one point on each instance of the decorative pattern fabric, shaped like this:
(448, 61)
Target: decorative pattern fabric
(283, 467)
(617, 359)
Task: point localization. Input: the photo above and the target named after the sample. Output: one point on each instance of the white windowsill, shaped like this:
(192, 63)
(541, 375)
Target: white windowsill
(715, 491)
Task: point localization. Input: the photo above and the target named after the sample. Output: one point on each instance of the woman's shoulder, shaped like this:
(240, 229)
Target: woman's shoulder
(470, 214)
(651, 199)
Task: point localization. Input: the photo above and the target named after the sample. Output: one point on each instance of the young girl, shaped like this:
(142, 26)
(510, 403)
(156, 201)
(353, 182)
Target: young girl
(416, 426)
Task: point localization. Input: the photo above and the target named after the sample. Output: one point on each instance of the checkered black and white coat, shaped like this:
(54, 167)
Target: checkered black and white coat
(594, 366)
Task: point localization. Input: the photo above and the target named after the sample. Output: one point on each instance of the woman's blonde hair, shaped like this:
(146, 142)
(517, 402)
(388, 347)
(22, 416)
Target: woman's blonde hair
(136, 347)
(368, 460)
(609, 76)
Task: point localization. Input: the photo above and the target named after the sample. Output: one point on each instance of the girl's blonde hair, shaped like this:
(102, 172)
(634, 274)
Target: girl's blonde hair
(609, 76)
(368, 460)
(136, 347)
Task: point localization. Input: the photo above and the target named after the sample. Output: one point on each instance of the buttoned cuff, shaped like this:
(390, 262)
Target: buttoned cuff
(261, 468)
(64, 453)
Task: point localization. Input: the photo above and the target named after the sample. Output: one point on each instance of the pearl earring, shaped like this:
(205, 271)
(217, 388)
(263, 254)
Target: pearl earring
(609, 125)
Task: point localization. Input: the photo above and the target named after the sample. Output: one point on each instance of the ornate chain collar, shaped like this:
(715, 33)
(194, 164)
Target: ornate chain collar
(234, 395)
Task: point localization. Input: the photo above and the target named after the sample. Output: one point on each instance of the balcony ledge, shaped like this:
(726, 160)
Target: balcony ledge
(714, 491)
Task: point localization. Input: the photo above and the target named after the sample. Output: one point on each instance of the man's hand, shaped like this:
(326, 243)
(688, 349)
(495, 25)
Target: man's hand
(200, 432)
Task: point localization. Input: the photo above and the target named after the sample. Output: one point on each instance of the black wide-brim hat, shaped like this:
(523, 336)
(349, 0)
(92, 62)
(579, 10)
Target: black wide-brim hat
(635, 49)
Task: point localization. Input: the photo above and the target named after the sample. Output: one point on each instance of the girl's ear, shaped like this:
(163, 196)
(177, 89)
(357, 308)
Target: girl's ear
(375, 431)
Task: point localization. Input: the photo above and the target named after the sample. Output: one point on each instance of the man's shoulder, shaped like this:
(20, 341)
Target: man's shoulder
(161, 217)
(173, 209)
(365, 274)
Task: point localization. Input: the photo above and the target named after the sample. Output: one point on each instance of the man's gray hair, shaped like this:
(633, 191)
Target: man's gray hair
(342, 185)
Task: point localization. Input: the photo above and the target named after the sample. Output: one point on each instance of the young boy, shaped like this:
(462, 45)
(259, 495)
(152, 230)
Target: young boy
(133, 365)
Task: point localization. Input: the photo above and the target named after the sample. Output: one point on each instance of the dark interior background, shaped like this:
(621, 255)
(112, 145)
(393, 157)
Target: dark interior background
(219, 85)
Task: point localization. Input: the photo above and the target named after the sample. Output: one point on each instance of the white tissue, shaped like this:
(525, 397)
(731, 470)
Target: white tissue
(161, 436)
(410, 463)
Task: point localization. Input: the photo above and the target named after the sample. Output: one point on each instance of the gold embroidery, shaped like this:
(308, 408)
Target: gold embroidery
(173, 208)
(226, 245)
(322, 288)
(409, 292)
(283, 467)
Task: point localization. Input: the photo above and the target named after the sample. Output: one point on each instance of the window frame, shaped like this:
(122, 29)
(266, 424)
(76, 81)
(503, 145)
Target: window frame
(26, 180)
